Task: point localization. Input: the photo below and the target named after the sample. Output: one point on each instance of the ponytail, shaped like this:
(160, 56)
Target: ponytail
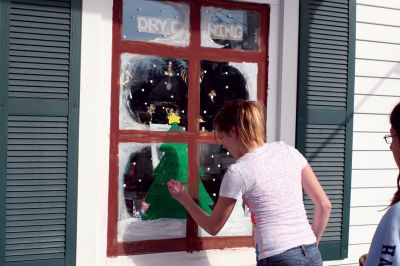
(396, 197)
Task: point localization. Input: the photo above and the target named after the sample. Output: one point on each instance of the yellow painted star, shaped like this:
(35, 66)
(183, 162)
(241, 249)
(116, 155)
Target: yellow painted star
(173, 118)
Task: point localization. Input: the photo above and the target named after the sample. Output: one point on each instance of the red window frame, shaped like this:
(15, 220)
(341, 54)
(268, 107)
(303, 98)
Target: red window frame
(194, 53)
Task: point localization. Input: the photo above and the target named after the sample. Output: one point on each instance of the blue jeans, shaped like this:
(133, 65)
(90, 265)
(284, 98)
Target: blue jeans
(305, 255)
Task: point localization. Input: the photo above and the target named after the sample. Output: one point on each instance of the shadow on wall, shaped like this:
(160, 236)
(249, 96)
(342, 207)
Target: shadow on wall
(173, 258)
(395, 69)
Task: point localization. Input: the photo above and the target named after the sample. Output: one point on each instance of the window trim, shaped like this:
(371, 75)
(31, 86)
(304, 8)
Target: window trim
(193, 53)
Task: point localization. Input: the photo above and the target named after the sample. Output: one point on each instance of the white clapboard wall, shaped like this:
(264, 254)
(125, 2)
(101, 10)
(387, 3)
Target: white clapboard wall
(377, 90)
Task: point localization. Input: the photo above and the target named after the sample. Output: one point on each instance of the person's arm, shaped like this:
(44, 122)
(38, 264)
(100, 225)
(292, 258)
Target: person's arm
(322, 205)
(211, 223)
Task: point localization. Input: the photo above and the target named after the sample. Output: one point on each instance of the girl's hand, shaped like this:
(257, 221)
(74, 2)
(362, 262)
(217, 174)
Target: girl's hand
(362, 259)
(211, 223)
(177, 190)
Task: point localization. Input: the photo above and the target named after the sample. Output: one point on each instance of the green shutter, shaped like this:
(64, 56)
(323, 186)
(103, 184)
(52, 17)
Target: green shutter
(39, 94)
(325, 109)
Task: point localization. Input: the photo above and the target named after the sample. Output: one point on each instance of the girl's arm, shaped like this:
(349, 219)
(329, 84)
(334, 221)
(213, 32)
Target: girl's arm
(211, 223)
(322, 205)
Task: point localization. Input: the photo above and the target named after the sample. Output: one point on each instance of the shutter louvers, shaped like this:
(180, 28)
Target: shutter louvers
(39, 49)
(40, 200)
(325, 149)
(36, 188)
(324, 124)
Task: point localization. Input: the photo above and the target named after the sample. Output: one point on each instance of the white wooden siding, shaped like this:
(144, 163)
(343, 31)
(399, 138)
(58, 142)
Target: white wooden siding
(371, 123)
(361, 216)
(377, 90)
(372, 104)
(377, 86)
(377, 14)
(367, 141)
(376, 196)
(373, 160)
(361, 234)
(380, 3)
(368, 178)
(378, 51)
(354, 251)
(378, 69)
(378, 33)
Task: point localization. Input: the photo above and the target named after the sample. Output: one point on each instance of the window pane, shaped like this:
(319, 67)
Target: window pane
(146, 209)
(214, 161)
(230, 29)
(221, 82)
(156, 21)
(152, 91)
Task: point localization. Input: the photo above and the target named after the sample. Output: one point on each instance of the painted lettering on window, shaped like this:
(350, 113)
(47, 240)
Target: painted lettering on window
(165, 26)
(226, 31)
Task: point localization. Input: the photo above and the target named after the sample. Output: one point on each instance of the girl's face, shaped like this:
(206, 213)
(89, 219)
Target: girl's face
(395, 146)
(230, 141)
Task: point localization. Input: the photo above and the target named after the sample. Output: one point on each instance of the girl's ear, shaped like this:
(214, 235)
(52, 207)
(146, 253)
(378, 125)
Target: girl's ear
(233, 132)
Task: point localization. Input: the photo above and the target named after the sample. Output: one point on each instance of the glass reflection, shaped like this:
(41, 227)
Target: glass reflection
(230, 29)
(152, 89)
(156, 21)
(214, 161)
(221, 82)
(145, 206)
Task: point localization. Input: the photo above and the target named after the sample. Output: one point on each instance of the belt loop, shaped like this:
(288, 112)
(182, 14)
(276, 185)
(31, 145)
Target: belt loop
(304, 250)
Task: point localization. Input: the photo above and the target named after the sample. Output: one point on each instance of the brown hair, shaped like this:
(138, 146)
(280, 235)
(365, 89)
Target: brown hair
(247, 118)
(395, 122)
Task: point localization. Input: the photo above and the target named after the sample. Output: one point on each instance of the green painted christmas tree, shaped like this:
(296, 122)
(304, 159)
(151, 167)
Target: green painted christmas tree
(173, 164)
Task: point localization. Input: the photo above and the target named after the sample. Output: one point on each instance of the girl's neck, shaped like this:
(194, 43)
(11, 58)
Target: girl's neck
(247, 149)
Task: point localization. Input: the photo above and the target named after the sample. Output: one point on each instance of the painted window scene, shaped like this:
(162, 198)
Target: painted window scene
(152, 88)
(221, 82)
(147, 211)
(214, 161)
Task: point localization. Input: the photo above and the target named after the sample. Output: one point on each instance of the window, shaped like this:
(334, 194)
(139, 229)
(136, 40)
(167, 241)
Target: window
(175, 63)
